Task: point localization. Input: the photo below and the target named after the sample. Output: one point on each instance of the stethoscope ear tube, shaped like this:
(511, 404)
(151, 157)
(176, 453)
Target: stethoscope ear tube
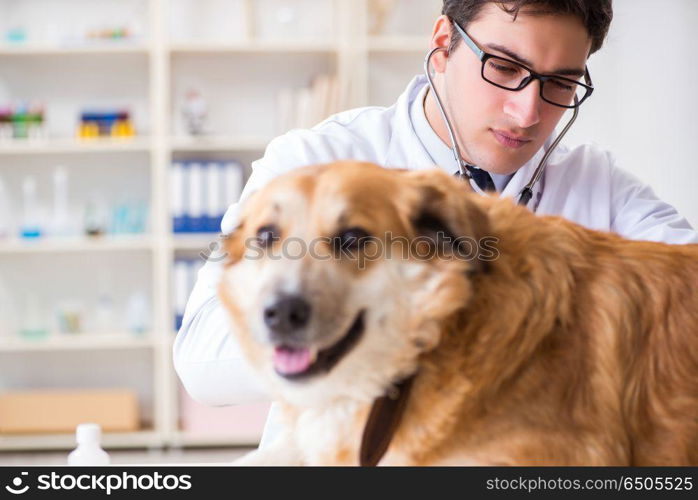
(454, 149)
(527, 192)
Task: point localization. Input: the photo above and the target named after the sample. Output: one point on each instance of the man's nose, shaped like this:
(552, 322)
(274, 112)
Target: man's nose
(287, 315)
(524, 105)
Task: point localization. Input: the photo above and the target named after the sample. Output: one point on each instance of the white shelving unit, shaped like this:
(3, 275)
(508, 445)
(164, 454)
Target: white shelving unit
(69, 146)
(218, 143)
(26, 50)
(346, 49)
(99, 342)
(397, 44)
(82, 244)
(246, 47)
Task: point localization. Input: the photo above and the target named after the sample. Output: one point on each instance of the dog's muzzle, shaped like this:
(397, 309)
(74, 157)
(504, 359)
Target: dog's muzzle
(287, 317)
(287, 320)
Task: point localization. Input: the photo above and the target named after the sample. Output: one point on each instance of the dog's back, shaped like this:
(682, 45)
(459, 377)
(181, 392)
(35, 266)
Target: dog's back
(659, 351)
(579, 347)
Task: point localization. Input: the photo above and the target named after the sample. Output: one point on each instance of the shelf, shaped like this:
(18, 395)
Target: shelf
(256, 47)
(77, 244)
(66, 441)
(403, 44)
(194, 241)
(153, 91)
(106, 48)
(220, 143)
(115, 440)
(71, 145)
(79, 342)
(184, 439)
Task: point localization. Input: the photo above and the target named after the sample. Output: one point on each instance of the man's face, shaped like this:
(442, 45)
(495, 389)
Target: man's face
(500, 130)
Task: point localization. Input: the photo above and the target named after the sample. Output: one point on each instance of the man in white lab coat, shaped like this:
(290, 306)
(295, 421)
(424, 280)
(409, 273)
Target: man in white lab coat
(503, 132)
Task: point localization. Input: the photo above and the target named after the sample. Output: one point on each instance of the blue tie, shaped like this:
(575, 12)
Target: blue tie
(481, 178)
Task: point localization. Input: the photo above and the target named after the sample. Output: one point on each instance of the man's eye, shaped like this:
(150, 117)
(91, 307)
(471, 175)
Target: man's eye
(351, 239)
(267, 235)
(503, 69)
(561, 85)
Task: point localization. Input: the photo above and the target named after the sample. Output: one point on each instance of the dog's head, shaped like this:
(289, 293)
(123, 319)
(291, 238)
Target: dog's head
(340, 276)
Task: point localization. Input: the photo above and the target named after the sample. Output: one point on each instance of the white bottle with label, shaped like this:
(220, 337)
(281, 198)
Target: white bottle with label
(89, 451)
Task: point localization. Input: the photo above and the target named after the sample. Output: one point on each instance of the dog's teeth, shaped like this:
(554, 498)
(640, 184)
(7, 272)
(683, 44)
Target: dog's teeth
(313, 355)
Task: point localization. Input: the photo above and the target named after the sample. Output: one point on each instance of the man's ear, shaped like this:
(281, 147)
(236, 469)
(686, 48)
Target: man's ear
(440, 37)
(446, 206)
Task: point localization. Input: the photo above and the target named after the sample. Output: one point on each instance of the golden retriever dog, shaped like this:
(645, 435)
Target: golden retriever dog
(400, 319)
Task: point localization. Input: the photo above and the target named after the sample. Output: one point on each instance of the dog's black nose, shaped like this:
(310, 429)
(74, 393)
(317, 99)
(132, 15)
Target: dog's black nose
(287, 315)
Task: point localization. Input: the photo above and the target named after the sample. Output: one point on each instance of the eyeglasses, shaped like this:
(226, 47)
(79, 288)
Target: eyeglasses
(511, 75)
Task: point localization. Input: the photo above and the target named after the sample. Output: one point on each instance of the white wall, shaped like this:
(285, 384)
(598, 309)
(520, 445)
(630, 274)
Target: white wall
(645, 103)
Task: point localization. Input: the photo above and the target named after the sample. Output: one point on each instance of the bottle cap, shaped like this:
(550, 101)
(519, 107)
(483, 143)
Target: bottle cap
(88, 434)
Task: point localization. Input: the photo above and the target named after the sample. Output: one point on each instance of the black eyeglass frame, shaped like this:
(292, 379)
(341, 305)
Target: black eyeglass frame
(484, 56)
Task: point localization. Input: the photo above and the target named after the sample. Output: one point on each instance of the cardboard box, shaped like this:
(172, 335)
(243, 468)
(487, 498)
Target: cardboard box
(61, 411)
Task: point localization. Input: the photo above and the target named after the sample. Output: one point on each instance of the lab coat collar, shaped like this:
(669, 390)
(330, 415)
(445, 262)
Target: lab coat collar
(405, 149)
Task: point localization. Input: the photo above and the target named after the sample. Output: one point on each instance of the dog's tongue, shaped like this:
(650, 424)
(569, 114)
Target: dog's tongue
(288, 361)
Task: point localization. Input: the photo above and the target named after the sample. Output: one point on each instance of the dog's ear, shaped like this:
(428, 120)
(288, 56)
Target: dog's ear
(233, 244)
(445, 206)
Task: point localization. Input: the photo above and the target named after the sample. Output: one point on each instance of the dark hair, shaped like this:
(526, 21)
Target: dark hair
(595, 14)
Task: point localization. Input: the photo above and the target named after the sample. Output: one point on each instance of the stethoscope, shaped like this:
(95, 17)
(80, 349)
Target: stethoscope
(527, 192)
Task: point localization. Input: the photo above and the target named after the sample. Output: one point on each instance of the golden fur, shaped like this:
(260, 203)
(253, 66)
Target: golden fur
(572, 347)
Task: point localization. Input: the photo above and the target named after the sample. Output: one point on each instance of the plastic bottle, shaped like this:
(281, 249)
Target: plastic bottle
(33, 325)
(95, 216)
(137, 313)
(61, 216)
(89, 450)
(31, 225)
(104, 314)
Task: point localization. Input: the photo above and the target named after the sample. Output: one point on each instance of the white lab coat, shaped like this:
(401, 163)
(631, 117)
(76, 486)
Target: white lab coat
(582, 184)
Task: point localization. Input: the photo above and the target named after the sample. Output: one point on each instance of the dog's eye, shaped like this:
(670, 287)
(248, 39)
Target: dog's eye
(351, 239)
(267, 235)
